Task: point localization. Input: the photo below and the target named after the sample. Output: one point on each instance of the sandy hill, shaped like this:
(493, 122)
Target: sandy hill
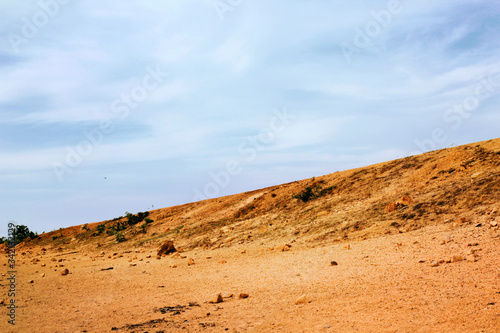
(409, 245)
(451, 185)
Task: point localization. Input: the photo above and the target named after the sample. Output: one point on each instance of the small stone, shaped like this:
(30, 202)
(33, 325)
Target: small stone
(222, 262)
(215, 298)
(302, 300)
(333, 263)
(472, 258)
(190, 262)
(158, 257)
(285, 248)
(173, 265)
(32, 281)
(243, 295)
(133, 264)
(493, 223)
(434, 264)
(244, 251)
(65, 271)
(134, 257)
(227, 295)
(347, 247)
(2, 302)
(456, 258)
(42, 275)
(447, 260)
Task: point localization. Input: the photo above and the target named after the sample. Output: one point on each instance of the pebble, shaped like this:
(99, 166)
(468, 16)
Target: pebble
(302, 300)
(215, 298)
(190, 262)
(65, 271)
(243, 295)
(333, 263)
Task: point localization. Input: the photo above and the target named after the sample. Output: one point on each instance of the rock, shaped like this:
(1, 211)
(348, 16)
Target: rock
(347, 247)
(244, 251)
(133, 264)
(222, 262)
(215, 298)
(42, 275)
(434, 264)
(390, 207)
(243, 295)
(456, 258)
(227, 295)
(285, 248)
(405, 201)
(158, 257)
(472, 258)
(493, 224)
(65, 271)
(32, 281)
(333, 263)
(447, 260)
(134, 257)
(176, 255)
(173, 265)
(302, 300)
(190, 262)
(166, 248)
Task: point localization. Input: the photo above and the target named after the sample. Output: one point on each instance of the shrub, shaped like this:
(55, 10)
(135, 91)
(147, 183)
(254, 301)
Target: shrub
(119, 237)
(101, 228)
(309, 193)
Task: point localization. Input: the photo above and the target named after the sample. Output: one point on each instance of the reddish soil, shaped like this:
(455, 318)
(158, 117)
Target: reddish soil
(432, 265)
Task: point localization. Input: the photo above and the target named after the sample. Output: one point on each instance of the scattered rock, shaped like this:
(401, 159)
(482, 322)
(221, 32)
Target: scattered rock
(173, 265)
(42, 275)
(285, 248)
(243, 295)
(472, 257)
(215, 298)
(302, 300)
(222, 262)
(493, 223)
(133, 264)
(434, 264)
(404, 201)
(190, 261)
(32, 281)
(166, 248)
(456, 258)
(333, 263)
(244, 251)
(390, 207)
(65, 271)
(347, 247)
(227, 295)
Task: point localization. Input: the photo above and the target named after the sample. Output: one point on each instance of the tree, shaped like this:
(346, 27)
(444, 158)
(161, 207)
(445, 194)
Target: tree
(22, 232)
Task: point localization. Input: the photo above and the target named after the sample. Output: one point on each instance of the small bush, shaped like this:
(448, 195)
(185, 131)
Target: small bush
(148, 220)
(119, 237)
(101, 228)
(310, 193)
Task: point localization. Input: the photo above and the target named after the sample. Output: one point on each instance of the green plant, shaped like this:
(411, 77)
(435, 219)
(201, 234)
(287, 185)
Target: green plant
(101, 228)
(119, 237)
(148, 220)
(310, 193)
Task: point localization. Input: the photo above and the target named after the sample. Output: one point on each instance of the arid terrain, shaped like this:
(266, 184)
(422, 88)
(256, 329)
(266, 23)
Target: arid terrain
(411, 245)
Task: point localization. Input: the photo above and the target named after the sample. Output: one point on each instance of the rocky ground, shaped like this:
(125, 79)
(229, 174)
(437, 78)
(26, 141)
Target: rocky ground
(437, 279)
(410, 245)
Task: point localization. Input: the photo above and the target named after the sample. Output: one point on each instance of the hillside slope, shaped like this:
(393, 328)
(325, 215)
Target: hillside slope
(453, 185)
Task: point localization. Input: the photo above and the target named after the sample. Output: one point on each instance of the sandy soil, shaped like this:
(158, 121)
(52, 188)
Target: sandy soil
(385, 284)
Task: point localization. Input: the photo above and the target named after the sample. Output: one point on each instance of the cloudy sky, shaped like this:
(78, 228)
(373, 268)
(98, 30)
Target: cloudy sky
(114, 106)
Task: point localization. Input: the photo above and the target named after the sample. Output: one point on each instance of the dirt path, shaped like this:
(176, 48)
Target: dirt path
(379, 285)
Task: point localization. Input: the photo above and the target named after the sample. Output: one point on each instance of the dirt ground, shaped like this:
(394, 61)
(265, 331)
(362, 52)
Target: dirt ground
(393, 283)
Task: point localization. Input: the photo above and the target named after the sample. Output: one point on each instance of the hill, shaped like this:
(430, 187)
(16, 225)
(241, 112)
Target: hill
(459, 184)
(409, 245)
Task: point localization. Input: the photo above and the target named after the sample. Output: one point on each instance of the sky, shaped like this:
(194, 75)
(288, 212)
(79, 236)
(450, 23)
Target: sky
(109, 107)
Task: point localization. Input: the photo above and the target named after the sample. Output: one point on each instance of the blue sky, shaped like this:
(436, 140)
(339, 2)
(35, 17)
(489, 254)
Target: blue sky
(117, 106)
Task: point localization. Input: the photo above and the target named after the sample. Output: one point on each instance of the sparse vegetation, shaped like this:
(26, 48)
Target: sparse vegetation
(310, 193)
(120, 237)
